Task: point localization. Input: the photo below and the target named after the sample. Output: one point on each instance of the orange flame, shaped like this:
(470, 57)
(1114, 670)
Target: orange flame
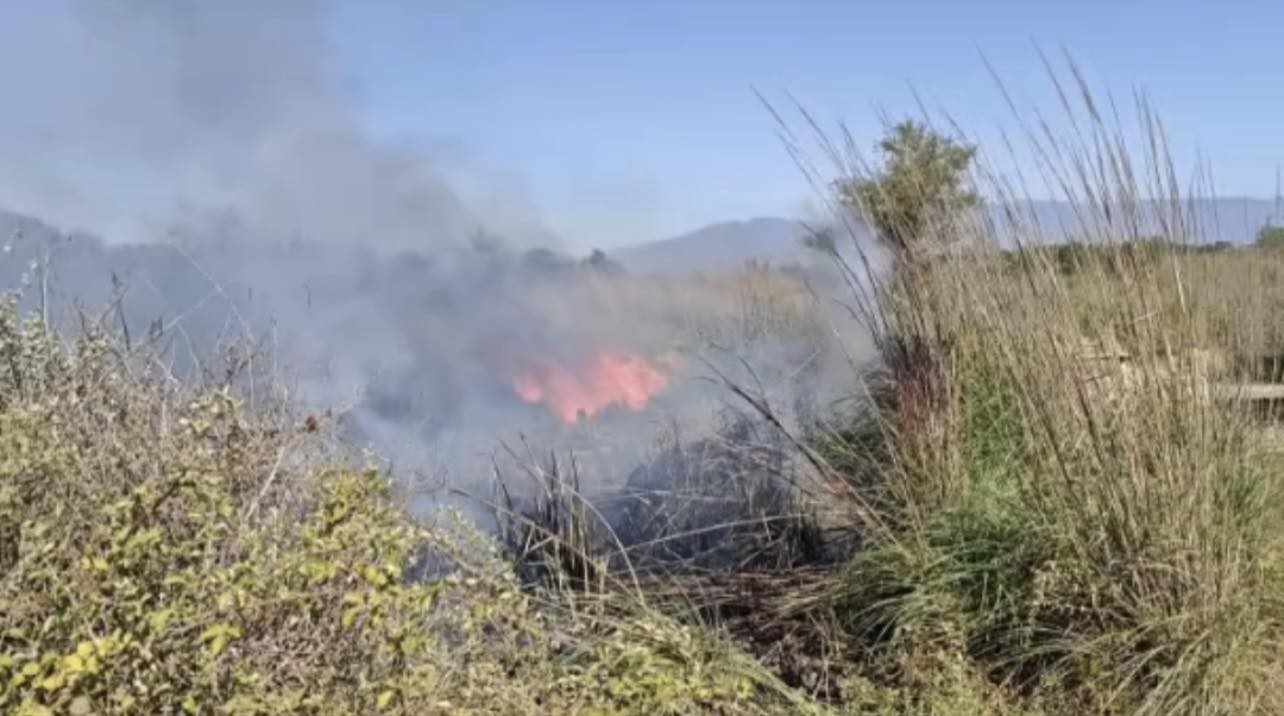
(609, 378)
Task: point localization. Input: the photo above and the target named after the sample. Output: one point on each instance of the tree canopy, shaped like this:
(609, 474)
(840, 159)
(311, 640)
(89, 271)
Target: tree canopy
(922, 176)
(1271, 237)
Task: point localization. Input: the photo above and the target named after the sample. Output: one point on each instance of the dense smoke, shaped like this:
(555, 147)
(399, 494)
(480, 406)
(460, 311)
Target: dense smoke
(137, 118)
(214, 146)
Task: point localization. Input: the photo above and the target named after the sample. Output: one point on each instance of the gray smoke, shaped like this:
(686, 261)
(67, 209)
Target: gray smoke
(216, 146)
(141, 118)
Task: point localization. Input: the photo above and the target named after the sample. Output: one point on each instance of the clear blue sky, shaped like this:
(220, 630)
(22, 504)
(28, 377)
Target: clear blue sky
(638, 119)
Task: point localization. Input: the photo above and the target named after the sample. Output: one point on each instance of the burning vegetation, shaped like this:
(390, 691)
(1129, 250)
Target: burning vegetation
(993, 533)
(582, 390)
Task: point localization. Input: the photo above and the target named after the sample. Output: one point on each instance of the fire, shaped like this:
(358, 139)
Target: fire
(608, 378)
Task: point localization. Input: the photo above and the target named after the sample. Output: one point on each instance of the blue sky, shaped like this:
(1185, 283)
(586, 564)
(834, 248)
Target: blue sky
(629, 120)
(609, 122)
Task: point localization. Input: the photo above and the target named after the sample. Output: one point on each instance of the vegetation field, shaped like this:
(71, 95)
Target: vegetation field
(1061, 501)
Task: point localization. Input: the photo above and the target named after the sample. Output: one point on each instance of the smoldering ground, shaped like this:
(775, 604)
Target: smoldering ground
(223, 157)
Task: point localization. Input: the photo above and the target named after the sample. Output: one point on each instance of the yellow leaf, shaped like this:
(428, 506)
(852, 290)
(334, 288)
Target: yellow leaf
(375, 577)
(384, 699)
(73, 664)
(349, 617)
(158, 620)
(218, 636)
(189, 704)
(218, 644)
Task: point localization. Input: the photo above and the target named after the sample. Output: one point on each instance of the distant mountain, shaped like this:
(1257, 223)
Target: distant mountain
(1235, 220)
(729, 244)
(720, 246)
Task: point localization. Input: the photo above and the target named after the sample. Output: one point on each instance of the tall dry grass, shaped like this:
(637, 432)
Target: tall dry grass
(1073, 510)
(1062, 502)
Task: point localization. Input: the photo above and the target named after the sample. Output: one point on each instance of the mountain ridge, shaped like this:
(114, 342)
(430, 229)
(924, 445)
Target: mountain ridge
(728, 244)
(720, 246)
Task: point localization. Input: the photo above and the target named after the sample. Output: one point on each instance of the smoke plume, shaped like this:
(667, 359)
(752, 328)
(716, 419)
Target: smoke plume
(138, 118)
(216, 147)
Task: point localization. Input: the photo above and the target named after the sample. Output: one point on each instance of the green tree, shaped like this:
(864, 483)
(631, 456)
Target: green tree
(1271, 237)
(922, 177)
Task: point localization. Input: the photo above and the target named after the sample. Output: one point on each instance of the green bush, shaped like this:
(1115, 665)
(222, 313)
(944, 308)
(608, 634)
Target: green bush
(1271, 237)
(922, 182)
(174, 553)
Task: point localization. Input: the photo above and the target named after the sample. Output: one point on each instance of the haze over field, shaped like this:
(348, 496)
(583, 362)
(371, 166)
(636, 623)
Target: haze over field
(409, 284)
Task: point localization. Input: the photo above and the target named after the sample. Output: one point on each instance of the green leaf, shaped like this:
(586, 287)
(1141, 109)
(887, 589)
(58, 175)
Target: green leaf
(218, 636)
(158, 620)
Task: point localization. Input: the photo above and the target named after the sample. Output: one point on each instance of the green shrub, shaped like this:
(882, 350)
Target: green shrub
(169, 553)
(1271, 238)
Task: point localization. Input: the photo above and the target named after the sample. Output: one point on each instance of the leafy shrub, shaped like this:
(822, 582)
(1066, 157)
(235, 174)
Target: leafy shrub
(922, 181)
(1271, 238)
(172, 553)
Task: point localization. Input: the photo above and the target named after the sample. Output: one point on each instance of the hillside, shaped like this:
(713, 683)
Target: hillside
(1234, 220)
(727, 245)
(720, 246)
